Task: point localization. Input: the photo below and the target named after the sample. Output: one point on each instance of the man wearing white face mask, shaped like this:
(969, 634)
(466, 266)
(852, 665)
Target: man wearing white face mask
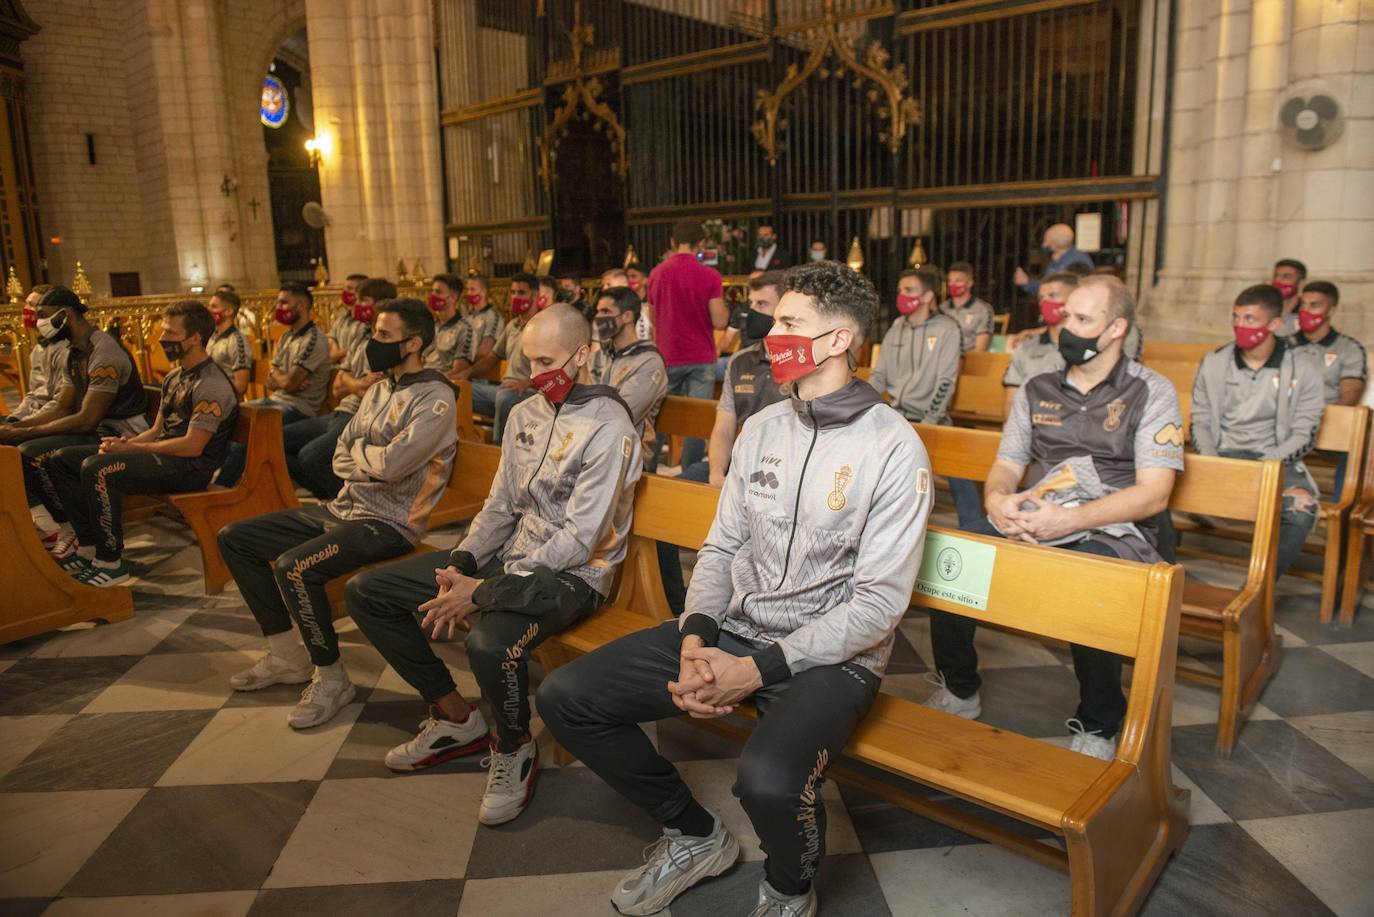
(817, 251)
(45, 363)
(539, 557)
(101, 395)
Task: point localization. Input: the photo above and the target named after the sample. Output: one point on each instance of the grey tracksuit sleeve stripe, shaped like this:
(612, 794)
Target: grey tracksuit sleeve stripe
(494, 524)
(884, 571)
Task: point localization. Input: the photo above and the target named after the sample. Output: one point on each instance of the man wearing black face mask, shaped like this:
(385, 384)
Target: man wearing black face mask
(394, 457)
(632, 367)
(100, 395)
(768, 254)
(178, 453)
(749, 388)
(1099, 444)
(539, 557)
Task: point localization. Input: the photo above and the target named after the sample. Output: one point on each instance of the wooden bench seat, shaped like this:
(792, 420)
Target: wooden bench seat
(40, 595)
(1120, 819)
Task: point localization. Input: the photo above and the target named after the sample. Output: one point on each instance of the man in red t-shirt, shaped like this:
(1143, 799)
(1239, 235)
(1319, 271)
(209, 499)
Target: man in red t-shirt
(688, 304)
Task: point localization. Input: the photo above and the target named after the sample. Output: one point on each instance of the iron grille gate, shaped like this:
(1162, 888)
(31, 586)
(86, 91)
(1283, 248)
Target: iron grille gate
(966, 126)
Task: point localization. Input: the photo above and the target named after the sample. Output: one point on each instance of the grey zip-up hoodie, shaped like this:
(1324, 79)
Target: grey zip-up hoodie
(638, 374)
(564, 494)
(396, 453)
(919, 366)
(818, 534)
(1300, 402)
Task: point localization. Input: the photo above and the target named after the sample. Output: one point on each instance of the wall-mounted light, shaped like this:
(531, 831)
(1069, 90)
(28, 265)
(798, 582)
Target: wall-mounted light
(318, 147)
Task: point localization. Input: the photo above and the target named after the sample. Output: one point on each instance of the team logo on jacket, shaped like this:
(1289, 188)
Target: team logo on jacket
(1114, 411)
(563, 444)
(764, 479)
(1171, 434)
(206, 407)
(922, 481)
(836, 500)
(930, 342)
(1330, 358)
(103, 372)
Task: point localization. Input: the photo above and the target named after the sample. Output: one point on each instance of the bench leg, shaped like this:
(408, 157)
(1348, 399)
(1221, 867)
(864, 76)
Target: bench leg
(1354, 571)
(1331, 565)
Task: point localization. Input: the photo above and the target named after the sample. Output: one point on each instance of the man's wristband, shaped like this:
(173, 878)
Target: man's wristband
(700, 625)
(772, 664)
(463, 562)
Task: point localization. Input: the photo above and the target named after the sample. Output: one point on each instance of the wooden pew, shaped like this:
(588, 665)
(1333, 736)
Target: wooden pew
(1343, 428)
(41, 596)
(985, 363)
(1360, 527)
(681, 417)
(1178, 351)
(1242, 621)
(978, 400)
(1180, 372)
(1120, 820)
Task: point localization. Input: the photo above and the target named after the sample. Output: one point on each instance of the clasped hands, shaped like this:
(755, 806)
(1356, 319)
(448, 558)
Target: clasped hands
(451, 607)
(1046, 521)
(712, 682)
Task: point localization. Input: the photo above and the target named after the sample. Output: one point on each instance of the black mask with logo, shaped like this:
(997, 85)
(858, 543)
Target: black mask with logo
(1077, 350)
(757, 324)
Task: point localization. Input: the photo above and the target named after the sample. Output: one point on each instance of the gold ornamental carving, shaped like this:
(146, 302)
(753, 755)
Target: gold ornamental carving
(582, 100)
(888, 85)
(13, 288)
(81, 284)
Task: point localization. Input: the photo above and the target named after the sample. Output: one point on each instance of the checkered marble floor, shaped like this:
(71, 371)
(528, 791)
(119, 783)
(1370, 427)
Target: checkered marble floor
(134, 781)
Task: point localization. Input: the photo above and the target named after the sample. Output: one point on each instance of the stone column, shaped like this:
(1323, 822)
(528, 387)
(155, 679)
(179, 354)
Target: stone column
(1238, 197)
(372, 79)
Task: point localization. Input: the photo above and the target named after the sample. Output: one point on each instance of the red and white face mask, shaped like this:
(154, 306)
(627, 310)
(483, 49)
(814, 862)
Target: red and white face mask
(1310, 321)
(363, 313)
(1286, 290)
(285, 314)
(473, 299)
(907, 304)
(31, 317)
(519, 305)
(554, 384)
(348, 298)
(790, 356)
(957, 289)
(1051, 312)
(437, 303)
(1250, 338)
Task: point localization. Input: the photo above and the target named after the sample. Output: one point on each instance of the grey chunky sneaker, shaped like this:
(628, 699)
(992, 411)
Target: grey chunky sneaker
(773, 903)
(673, 864)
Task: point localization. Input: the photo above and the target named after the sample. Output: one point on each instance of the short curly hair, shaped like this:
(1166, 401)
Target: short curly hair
(835, 289)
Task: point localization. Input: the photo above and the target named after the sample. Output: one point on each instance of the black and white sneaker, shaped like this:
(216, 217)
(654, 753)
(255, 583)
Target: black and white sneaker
(440, 740)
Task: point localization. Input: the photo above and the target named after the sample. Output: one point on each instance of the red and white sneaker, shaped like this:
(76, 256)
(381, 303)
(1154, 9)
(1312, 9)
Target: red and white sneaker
(440, 740)
(510, 783)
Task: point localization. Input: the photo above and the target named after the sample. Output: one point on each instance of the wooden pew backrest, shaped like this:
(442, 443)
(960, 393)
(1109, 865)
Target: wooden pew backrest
(1182, 351)
(985, 363)
(681, 416)
(1344, 429)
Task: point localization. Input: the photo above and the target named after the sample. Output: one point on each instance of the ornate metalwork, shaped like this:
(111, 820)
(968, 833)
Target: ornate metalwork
(888, 89)
(81, 284)
(855, 259)
(582, 100)
(13, 288)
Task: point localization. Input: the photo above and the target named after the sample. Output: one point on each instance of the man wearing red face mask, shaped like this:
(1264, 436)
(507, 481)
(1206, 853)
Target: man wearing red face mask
(229, 346)
(451, 333)
(46, 360)
(299, 380)
(1040, 353)
(539, 557)
(309, 444)
(497, 400)
(974, 316)
(797, 591)
(1289, 274)
(484, 329)
(345, 329)
(1262, 398)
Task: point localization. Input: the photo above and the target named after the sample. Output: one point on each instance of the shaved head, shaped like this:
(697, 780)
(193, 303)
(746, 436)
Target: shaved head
(553, 336)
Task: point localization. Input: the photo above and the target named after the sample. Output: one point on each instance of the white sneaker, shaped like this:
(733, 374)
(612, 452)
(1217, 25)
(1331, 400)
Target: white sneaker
(320, 700)
(510, 783)
(970, 708)
(773, 903)
(673, 864)
(440, 740)
(1090, 743)
(272, 670)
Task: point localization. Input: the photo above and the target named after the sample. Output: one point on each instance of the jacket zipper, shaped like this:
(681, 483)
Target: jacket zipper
(530, 483)
(796, 505)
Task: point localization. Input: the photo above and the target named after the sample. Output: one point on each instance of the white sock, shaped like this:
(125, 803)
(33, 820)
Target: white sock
(86, 551)
(285, 646)
(43, 520)
(334, 674)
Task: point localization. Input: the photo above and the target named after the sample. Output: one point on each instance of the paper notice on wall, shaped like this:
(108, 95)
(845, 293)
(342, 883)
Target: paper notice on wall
(1087, 231)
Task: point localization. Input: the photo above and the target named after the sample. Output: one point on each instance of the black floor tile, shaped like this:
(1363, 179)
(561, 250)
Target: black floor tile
(883, 827)
(1274, 770)
(1030, 700)
(196, 839)
(60, 685)
(214, 630)
(389, 899)
(1223, 872)
(381, 726)
(576, 823)
(107, 751)
(1310, 682)
(845, 885)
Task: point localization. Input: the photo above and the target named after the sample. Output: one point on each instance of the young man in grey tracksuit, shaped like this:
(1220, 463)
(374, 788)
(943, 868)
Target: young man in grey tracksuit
(394, 457)
(540, 556)
(1262, 398)
(804, 576)
(632, 367)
